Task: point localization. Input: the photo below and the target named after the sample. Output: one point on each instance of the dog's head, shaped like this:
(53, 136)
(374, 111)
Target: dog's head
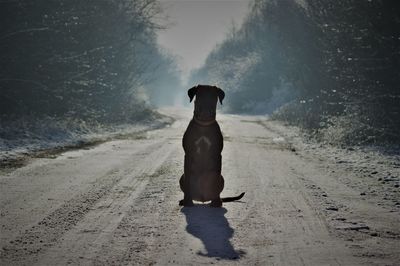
(205, 104)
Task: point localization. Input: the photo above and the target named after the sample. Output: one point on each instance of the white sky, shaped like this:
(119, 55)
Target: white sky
(197, 26)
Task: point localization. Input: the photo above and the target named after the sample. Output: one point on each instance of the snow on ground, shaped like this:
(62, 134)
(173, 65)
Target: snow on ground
(372, 170)
(24, 137)
(117, 203)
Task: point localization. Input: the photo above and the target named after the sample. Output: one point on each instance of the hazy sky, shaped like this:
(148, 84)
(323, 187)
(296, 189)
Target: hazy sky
(197, 26)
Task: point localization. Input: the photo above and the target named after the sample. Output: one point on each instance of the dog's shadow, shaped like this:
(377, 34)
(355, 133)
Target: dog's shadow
(212, 228)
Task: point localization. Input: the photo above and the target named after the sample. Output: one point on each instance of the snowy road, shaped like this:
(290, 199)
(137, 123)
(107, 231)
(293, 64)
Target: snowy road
(117, 204)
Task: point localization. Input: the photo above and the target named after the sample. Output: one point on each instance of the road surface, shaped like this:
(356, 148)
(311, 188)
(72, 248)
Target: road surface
(117, 204)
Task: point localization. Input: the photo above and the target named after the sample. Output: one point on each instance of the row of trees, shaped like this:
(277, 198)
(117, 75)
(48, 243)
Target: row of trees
(89, 59)
(335, 63)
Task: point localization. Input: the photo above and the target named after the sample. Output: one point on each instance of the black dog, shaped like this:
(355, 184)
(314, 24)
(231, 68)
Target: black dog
(203, 143)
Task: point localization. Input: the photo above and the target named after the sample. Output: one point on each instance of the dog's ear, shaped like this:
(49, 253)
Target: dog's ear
(221, 95)
(192, 92)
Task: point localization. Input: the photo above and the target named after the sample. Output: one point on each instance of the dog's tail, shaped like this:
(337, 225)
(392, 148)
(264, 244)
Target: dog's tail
(228, 199)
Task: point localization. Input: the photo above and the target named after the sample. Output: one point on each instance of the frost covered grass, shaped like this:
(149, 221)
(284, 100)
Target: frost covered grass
(369, 169)
(27, 135)
(351, 128)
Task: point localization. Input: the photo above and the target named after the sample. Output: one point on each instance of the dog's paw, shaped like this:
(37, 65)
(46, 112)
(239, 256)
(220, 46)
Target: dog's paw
(186, 203)
(216, 203)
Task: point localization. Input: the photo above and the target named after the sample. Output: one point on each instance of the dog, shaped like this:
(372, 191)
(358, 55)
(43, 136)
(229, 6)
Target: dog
(203, 144)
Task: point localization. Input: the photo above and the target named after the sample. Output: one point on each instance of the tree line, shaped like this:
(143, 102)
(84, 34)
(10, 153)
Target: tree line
(94, 59)
(328, 66)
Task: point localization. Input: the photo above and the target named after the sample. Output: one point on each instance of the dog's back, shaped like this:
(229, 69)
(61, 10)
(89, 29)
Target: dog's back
(203, 146)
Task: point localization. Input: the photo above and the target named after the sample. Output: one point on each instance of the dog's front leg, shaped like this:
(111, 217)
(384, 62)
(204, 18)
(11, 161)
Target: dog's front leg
(185, 184)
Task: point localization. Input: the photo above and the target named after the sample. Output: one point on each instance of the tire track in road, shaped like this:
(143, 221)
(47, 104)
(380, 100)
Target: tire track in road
(149, 225)
(85, 242)
(52, 227)
(40, 237)
(278, 225)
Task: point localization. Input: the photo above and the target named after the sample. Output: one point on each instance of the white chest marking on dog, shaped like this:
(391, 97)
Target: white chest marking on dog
(205, 140)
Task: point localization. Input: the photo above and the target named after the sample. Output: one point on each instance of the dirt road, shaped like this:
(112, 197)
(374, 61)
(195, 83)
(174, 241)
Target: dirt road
(117, 204)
